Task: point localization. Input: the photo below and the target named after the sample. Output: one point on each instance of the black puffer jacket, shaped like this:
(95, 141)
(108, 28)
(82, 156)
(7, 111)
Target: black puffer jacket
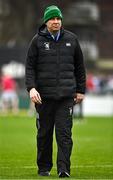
(55, 69)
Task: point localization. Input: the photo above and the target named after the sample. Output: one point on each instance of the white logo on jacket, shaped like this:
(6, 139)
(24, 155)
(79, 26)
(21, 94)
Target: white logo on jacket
(68, 44)
(46, 44)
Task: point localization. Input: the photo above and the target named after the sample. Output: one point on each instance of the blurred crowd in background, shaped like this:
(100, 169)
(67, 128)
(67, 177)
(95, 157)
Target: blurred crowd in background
(99, 84)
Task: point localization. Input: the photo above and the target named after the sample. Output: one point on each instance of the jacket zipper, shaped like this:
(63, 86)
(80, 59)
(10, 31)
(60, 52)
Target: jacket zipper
(58, 69)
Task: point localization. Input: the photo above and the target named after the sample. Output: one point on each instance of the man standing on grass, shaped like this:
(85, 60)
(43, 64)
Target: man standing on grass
(55, 79)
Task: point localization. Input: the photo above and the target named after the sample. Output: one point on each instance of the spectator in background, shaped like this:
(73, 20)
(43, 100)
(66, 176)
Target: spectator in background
(90, 83)
(110, 85)
(9, 97)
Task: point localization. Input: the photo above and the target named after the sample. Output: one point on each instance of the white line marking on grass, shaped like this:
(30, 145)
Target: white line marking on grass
(93, 166)
(77, 166)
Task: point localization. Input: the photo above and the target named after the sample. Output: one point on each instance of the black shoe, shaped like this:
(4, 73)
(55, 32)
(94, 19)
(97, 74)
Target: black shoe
(63, 174)
(44, 173)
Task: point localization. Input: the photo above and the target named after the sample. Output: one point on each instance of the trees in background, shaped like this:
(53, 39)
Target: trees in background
(19, 20)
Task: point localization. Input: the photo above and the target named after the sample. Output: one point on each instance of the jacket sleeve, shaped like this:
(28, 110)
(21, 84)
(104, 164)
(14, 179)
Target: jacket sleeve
(80, 73)
(30, 68)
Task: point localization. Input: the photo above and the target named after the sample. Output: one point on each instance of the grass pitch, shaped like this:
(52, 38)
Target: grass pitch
(92, 156)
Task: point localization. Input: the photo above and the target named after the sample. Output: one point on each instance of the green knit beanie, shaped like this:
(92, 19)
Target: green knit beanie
(51, 12)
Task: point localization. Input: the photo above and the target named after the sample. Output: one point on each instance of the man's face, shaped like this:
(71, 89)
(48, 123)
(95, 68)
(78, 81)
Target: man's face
(54, 24)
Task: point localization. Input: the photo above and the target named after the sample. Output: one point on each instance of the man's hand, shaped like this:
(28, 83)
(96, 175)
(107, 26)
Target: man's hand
(35, 96)
(78, 98)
